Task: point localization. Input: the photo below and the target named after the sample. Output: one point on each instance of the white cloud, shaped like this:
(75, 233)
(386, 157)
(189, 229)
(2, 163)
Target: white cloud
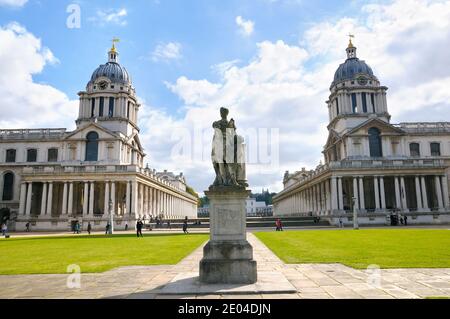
(285, 86)
(110, 16)
(246, 27)
(167, 51)
(13, 3)
(26, 103)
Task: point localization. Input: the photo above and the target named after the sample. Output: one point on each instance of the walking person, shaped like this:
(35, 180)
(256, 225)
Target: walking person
(406, 220)
(27, 225)
(107, 228)
(89, 228)
(4, 230)
(341, 223)
(139, 226)
(185, 226)
(78, 228)
(277, 224)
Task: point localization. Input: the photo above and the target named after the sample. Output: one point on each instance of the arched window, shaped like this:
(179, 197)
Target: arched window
(92, 147)
(414, 149)
(8, 186)
(375, 142)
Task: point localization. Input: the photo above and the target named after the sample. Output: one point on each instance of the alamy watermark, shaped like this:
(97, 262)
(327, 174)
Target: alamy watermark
(74, 279)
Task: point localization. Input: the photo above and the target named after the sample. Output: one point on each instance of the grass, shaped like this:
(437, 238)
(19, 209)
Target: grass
(387, 248)
(52, 255)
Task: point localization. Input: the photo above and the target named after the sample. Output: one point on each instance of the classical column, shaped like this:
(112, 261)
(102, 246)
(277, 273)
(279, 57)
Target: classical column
(418, 194)
(23, 198)
(334, 195)
(113, 198)
(64, 200)
(141, 200)
(128, 198)
(328, 197)
(86, 199)
(397, 193)
(382, 193)
(437, 181)
(70, 204)
(91, 198)
(135, 199)
(29, 198)
(403, 194)
(355, 192)
(44, 199)
(106, 204)
(340, 194)
(445, 191)
(50, 199)
(377, 193)
(424, 195)
(362, 200)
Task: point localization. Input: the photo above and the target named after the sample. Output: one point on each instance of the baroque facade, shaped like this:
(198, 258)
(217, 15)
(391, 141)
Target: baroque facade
(371, 165)
(52, 178)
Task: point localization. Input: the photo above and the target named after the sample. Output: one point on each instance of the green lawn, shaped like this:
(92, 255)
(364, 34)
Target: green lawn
(44, 255)
(388, 248)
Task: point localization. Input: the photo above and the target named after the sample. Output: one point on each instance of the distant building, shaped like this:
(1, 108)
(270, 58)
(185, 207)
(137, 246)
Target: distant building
(253, 209)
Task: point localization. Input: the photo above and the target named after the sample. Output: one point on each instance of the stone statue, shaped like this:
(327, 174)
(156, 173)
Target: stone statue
(228, 153)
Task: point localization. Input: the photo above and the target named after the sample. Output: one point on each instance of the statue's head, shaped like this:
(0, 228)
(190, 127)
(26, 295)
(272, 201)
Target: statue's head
(224, 113)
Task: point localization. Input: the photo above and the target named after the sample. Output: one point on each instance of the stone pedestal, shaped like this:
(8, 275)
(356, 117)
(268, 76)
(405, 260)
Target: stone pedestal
(228, 257)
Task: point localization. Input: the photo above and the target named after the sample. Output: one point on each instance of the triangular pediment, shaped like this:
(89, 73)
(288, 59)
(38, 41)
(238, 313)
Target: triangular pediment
(333, 137)
(384, 127)
(84, 130)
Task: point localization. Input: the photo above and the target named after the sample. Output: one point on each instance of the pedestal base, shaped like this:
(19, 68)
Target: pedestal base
(228, 263)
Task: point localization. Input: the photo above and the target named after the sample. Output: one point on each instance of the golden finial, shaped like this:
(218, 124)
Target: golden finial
(350, 44)
(114, 41)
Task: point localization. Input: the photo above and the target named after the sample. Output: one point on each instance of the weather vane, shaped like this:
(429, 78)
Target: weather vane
(114, 41)
(351, 36)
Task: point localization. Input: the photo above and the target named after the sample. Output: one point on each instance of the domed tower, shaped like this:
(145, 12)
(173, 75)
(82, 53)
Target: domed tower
(110, 98)
(356, 94)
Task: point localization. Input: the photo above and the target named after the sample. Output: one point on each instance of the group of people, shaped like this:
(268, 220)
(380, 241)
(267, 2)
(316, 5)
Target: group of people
(397, 218)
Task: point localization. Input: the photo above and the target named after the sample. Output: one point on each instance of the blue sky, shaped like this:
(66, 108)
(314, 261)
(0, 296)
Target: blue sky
(206, 29)
(270, 61)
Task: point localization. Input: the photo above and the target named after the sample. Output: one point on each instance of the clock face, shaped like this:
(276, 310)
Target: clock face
(103, 85)
(362, 80)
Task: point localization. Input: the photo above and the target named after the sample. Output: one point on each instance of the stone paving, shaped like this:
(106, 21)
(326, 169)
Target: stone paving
(312, 281)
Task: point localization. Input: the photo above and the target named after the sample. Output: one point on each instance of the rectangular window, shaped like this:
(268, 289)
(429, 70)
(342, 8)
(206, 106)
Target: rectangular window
(53, 155)
(92, 107)
(32, 156)
(372, 97)
(364, 102)
(435, 149)
(10, 156)
(102, 105)
(354, 104)
(128, 110)
(111, 107)
(414, 149)
(337, 106)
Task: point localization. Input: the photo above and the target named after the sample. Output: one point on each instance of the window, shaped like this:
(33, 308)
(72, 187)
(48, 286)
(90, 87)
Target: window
(372, 98)
(102, 106)
(354, 106)
(364, 102)
(10, 156)
(337, 106)
(128, 110)
(414, 149)
(92, 107)
(375, 142)
(92, 147)
(111, 107)
(435, 149)
(8, 186)
(53, 155)
(32, 156)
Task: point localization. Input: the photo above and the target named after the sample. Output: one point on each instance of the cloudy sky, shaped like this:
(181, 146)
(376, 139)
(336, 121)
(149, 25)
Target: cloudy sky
(270, 61)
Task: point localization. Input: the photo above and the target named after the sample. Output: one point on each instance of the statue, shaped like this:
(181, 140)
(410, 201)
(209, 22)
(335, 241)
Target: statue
(228, 153)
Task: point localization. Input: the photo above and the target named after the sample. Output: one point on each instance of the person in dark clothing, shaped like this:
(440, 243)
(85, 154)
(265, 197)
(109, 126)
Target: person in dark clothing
(107, 228)
(139, 226)
(89, 228)
(28, 228)
(406, 220)
(185, 226)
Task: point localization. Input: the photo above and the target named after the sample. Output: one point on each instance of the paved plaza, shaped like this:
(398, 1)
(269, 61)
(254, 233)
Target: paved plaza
(312, 281)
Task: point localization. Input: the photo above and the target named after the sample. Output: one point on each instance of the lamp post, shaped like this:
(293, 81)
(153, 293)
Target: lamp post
(355, 215)
(111, 218)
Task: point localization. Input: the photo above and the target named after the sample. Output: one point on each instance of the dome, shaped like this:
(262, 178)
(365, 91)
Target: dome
(350, 69)
(113, 71)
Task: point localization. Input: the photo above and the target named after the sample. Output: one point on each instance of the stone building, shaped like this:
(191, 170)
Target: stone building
(371, 165)
(52, 177)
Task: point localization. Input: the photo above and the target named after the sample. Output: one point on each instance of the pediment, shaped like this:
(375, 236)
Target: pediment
(81, 132)
(384, 127)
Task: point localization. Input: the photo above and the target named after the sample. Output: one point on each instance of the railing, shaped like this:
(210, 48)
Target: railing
(32, 133)
(425, 127)
(396, 163)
